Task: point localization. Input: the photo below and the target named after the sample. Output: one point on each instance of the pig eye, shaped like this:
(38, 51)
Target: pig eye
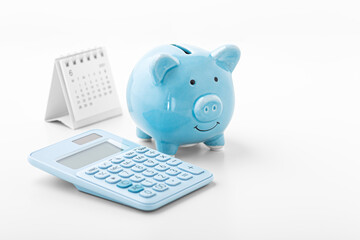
(216, 79)
(192, 82)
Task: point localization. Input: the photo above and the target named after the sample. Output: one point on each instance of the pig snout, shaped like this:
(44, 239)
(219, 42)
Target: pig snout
(208, 108)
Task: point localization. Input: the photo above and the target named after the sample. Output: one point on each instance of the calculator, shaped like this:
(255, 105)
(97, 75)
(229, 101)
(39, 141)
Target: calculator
(108, 166)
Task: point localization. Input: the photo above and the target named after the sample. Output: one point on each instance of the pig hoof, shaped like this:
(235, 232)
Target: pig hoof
(188, 145)
(145, 139)
(216, 143)
(167, 148)
(143, 136)
(216, 148)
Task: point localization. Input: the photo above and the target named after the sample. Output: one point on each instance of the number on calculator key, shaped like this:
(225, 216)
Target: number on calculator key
(160, 187)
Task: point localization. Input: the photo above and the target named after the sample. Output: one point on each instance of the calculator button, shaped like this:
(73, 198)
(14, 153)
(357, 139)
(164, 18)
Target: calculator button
(117, 160)
(92, 171)
(161, 177)
(127, 164)
(149, 173)
(126, 174)
(162, 158)
(102, 175)
(174, 162)
(130, 154)
(115, 169)
(148, 183)
(162, 167)
(139, 159)
(147, 193)
(135, 188)
(141, 149)
(138, 168)
(150, 163)
(160, 187)
(105, 165)
(124, 184)
(184, 176)
(137, 178)
(172, 182)
(190, 168)
(112, 179)
(151, 153)
(173, 172)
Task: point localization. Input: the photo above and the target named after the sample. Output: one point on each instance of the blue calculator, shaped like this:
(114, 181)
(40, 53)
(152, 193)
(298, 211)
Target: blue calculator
(111, 167)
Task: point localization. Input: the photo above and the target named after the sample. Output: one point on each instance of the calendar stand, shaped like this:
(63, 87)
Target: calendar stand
(82, 90)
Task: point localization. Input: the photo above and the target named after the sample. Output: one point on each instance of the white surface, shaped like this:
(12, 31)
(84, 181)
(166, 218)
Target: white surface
(290, 167)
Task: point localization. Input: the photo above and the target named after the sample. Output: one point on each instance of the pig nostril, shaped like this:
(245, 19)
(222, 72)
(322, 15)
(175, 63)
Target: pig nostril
(214, 107)
(206, 109)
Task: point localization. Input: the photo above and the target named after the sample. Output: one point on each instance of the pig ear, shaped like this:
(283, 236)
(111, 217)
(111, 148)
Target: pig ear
(161, 65)
(226, 57)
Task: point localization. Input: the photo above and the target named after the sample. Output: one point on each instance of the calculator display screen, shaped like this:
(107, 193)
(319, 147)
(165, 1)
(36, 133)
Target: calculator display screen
(90, 155)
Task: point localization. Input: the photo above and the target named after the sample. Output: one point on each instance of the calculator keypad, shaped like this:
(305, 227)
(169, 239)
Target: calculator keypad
(136, 188)
(147, 193)
(173, 182)
(190, 168)
(144, 172)
(161, 177)
(173, 172)
(141, 149)
(162, 167)
(117, 160)
(124, 184)
(126, 174)
(151, 153)
(139, 159)
(102, 175)
(105, 165)
(112, 179)
(174, 162)
(115, 169)
(148, 183)
(138, 168)
(184, 176)
(160, 187)
(127, 164)
(92, 171)
(162, 158)
(130, 154)
(137, 178)
(149, 173)
(151, 163)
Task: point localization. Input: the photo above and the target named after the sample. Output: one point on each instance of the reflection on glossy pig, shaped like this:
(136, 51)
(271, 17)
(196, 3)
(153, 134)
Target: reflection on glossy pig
(183, 94)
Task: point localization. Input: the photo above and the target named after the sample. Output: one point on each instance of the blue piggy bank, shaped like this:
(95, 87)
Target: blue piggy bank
(182, 95)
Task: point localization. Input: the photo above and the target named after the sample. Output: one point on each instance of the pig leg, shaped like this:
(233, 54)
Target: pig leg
(216, 143)
(140, 134)
(167, 148)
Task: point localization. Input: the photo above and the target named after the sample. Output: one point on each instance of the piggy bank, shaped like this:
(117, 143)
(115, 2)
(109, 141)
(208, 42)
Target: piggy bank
(181, 95)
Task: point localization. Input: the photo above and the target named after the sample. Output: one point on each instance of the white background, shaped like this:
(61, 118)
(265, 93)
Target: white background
(291, 165)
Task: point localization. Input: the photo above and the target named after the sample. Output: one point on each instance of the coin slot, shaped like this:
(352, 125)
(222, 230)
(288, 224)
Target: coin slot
(187, 51)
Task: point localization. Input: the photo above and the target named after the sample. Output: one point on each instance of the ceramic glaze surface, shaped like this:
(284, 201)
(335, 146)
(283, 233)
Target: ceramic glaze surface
(182, 94)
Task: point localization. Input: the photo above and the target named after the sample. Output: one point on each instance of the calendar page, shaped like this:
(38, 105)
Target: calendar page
(89, 83)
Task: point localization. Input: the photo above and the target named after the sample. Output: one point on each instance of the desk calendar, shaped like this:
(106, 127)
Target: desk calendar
(111, 167)
(82, 90)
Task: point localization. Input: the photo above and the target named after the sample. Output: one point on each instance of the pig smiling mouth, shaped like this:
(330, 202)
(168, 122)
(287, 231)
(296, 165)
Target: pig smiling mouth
(205, 130)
